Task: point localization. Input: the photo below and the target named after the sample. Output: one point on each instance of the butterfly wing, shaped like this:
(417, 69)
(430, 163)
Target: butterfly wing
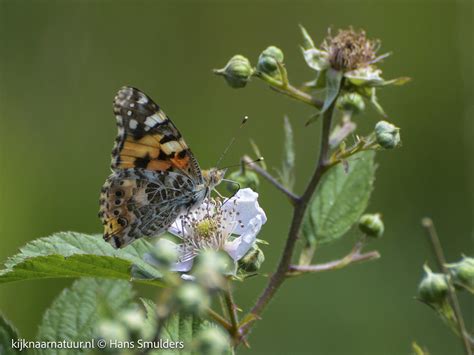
(148, 139)
(137, 202)
(154, 175)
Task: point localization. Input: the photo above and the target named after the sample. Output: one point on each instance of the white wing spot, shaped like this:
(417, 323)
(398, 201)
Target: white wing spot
(171, 147)
(129, 113)
(133, 124)
(142, 100)
(132, 105)
(119, 119)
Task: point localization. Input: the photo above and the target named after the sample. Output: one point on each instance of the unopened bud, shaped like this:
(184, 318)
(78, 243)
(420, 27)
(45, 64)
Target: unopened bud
(192, 298)
(463, 273)
(387, 134)
(371, 225)
(165, 252)
(112, 330)
(252, 260)
(133, 319)
(212, 341)
(237, 71)
(269, 59)
(433, 287)
(211, 267)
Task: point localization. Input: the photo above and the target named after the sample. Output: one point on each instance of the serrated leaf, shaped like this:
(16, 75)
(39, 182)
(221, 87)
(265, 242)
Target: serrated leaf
(182, 327)
(342, 197)
(70, 254)
(7, 334)
(288, 164)
(74, 314)
(151, 318)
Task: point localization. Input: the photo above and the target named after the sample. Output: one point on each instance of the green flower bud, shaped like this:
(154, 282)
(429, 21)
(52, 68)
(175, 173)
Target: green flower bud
(252, 260)
(269, 59)
(133, 320)
(111, 330)
(237, 71)
(371, 225)
(244, 178)
(212, 341)
(192, 298)
(463, 273)
(165, 252)
(433, 288)
(351, 102)
(211, 266)
(387, 135)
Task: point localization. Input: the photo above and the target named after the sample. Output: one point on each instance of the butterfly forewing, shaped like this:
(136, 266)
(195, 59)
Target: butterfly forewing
(147, 138)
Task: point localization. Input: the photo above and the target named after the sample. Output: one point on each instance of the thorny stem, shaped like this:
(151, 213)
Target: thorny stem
(453, 299)
(219, 319)
(232, 310)
(272, 180)
(279, 276)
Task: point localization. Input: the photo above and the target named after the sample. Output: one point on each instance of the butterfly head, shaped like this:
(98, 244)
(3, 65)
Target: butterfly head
(213, 177)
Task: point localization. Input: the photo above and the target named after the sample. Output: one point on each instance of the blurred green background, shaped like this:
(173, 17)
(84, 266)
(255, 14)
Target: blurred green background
(61, 63)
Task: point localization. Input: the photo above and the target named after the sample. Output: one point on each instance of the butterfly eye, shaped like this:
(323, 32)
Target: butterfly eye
(122, 221)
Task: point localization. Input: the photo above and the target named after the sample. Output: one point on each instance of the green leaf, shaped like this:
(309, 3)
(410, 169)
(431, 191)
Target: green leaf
(7, 334)
(181, 327)
(69, 254)
(287, 176)
(75, 313)
(333, 80)
(151, 318)
(342, 197)
(307, 40)
(333, 85)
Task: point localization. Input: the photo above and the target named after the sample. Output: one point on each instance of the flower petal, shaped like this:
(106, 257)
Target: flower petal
(182, 266)
(316, 59)
(247, 208)
(241, 245)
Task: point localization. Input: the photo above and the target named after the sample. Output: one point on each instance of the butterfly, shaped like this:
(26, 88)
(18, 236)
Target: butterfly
(155, 176)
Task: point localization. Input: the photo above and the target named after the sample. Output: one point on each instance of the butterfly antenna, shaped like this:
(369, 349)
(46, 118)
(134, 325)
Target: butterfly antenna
(243, 163)
(245, 119)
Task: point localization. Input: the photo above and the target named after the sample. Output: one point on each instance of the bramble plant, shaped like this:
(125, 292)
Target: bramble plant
(215, 245)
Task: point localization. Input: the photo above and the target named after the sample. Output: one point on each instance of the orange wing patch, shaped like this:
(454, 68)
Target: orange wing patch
(147, 138)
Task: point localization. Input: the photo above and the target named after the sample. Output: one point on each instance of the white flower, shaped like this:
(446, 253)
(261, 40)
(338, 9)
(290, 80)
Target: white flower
(231, 226)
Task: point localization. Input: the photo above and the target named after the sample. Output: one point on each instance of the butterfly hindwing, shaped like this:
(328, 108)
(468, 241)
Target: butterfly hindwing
(136, 203)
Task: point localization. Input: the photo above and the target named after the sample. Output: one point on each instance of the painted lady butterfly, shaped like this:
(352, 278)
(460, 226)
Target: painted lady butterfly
(155, 177)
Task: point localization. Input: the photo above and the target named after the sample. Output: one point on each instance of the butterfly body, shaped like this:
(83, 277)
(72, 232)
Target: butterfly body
(155, 177)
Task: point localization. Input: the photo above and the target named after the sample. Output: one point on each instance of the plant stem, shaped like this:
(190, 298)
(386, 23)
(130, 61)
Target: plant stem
(267, 176)
(232, 309)
(336, 264)
(284, 87)
(299, 211)
(453, 299)
(219, 319)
